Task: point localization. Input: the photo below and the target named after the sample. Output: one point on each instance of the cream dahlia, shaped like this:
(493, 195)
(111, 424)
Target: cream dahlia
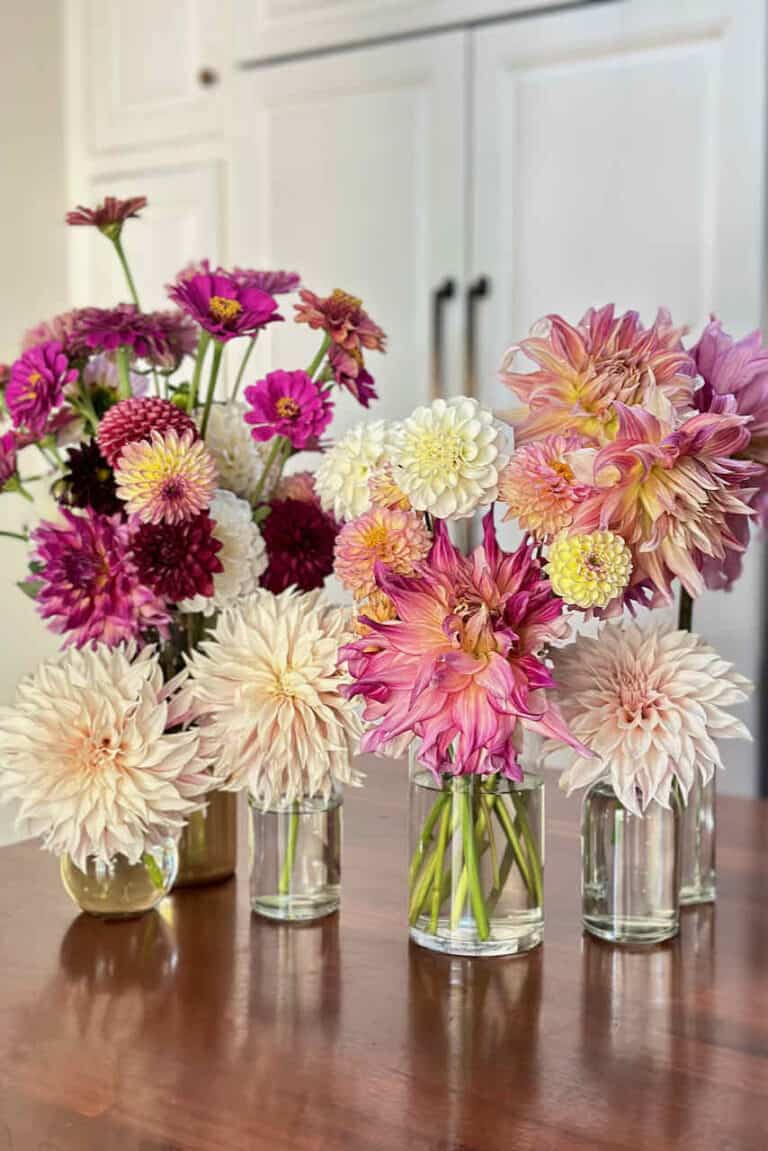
(239, 459)
(397, 539)
(168, 480)
(242, 555)
(446, 458)
(539, 485)
(86, 751)
(265, 692)
(341, 480)
(650, 703)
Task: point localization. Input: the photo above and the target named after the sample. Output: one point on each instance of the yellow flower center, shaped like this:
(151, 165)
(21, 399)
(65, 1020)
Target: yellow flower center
(439, 451)
(224, 309)
(287, 408)
(562, 469)
(34, 378)
(375, 537)
(345, 300)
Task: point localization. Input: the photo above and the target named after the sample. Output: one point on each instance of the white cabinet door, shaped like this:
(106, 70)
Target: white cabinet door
(619, 156)
(181, 223)
(351, 172)
(152, 73)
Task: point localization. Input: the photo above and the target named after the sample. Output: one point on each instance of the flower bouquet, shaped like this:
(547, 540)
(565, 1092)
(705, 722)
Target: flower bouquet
(173, 502)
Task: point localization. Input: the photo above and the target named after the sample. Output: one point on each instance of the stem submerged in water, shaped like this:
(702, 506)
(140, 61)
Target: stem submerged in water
(286, 872)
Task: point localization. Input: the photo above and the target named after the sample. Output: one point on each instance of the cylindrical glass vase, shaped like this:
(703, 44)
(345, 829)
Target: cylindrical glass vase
(697, 831)
(476, 863)
(295, 850)
(630, 869)
(208, 844)
(120, 889)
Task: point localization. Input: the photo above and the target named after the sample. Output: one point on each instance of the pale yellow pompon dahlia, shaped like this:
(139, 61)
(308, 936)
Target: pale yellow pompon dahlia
(589, 570)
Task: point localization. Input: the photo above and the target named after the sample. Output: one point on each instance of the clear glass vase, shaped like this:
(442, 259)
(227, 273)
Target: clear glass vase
(208, 844)
(697, 830)
(476, 863)
(630, 869)
(295, 852)
(120, 889)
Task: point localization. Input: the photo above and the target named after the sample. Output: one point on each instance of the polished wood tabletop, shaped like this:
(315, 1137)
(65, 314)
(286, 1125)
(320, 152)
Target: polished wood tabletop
(203, 1028)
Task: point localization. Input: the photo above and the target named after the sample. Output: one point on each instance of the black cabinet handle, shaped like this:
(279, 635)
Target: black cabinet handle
(478, 290)
(442, 293)
(207, 77)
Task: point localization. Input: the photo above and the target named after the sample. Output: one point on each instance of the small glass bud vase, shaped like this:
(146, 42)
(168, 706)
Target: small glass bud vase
(120, 889)
(208, 844)
(697, 829)
(295, 851)
(476, 863)
(630, 869)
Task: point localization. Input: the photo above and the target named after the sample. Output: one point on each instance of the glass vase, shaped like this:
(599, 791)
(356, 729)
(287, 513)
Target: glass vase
(476, 863)
(295, 852)
(697, 832)
(120, 889)
(208, 844)
(630, 869)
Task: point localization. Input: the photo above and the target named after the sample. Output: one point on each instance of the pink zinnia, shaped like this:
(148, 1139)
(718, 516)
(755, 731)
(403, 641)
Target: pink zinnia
(218, 303)
(461, 667)
(350, 373)
(135, 419)
(539, 485)
(342, 317)
(62, 328)
(276, 283)
(288, 404)
(90, 590)
(108, 217)
(397, 539)
(37, 385)
(7, 458)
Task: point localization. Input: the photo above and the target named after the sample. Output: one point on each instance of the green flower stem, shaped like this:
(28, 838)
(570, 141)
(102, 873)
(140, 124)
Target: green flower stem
(241, 370)
(275, 450)
(124, 384)
(476, 897)
(313, 367)
(202, 348)
(286, 872)
(15, 536)
(509, 830)
(460, 890)
(218, 350)
(487, 806)
(506, 866)
(442, 843)
(532, 849)
(124, 264)
(426, 835)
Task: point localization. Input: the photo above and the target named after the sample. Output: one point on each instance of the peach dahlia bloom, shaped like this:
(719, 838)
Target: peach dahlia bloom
(397, 539)
(539, 485)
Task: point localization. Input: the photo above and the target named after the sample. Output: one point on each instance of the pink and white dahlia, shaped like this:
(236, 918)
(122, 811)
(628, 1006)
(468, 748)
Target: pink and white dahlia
(397, 539)
(650, 704)
(584, 371)
(90, 589)
(168, 480)
(37, 386)
(539, 485)
(461, 667)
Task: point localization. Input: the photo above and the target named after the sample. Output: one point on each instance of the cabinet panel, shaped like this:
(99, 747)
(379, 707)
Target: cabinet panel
(619, 155)
(351, 172)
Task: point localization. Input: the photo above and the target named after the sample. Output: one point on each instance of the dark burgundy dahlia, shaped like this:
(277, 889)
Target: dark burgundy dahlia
(299, 538)
(133, 420)
(89, 481)
(178, 561)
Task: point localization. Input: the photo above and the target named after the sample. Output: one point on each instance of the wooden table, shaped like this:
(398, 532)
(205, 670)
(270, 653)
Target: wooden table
(202, 1028)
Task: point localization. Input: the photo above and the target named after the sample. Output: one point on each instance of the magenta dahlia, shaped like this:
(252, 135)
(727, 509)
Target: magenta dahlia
(299, 538)
(218, 303)
(135, 419)
(37, 385)
(90, 588)
(7, 458)
(108, 217)
(350, 373)
(288, 404)
(178, 561)
(124, 326)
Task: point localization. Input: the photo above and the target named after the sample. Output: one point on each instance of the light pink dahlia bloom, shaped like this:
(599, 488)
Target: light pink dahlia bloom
(650, 704)
(540, 488)
(584, 371)
(462, 666)
(397, 539)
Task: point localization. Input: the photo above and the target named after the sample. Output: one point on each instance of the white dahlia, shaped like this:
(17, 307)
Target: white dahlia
(650, 704)
(265, 692)
(86, 751)
(341, 479)
(447, 458)
(239, 459)
(243, 555)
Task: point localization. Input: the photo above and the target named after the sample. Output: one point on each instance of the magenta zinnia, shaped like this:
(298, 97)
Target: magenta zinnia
(178, 561)
(37, 384)
(342, 317)
(221, 305)
(7, 458)
(169, 479)
(124, 326)
(462, 666)
(90, 589)
(299, 538)
(584, 371)
(397, 539)
(275, 283)
(288, 404)
(135, 419)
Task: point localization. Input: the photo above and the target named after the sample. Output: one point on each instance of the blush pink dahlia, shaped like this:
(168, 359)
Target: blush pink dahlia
(584, 371)
(37, 384)
(90, 590)
(539, 485)
(169, 479)
(288, 404)
(462, 666)
(135, 419)
(342, 317)
(397, 539)
(221, 305)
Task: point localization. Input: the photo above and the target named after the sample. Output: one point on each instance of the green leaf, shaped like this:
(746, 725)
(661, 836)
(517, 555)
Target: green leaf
(29, 587)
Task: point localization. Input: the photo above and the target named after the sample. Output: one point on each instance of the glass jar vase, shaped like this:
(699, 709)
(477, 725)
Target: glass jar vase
(208, 844)
(630, 869)
(476, 863)
(697, 830)
(295, 854)
(120, 889)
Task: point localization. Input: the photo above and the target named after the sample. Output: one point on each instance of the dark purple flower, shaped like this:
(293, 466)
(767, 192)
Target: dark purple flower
(89, 481)
(349, 372)
(299, 538)
(108, 217)
(275, 283)
(178, 561)
(288, 404)
(37, 385)
(7, 458)
(106, 329)
(225, 309)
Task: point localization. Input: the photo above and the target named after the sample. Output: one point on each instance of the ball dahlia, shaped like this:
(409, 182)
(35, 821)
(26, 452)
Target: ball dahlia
(299, 539)
(341, 479)
(178, 561)
(240, 460)
(168, 480)
(539, 485)
(589, 570)
(397, 539)
(135, 419)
